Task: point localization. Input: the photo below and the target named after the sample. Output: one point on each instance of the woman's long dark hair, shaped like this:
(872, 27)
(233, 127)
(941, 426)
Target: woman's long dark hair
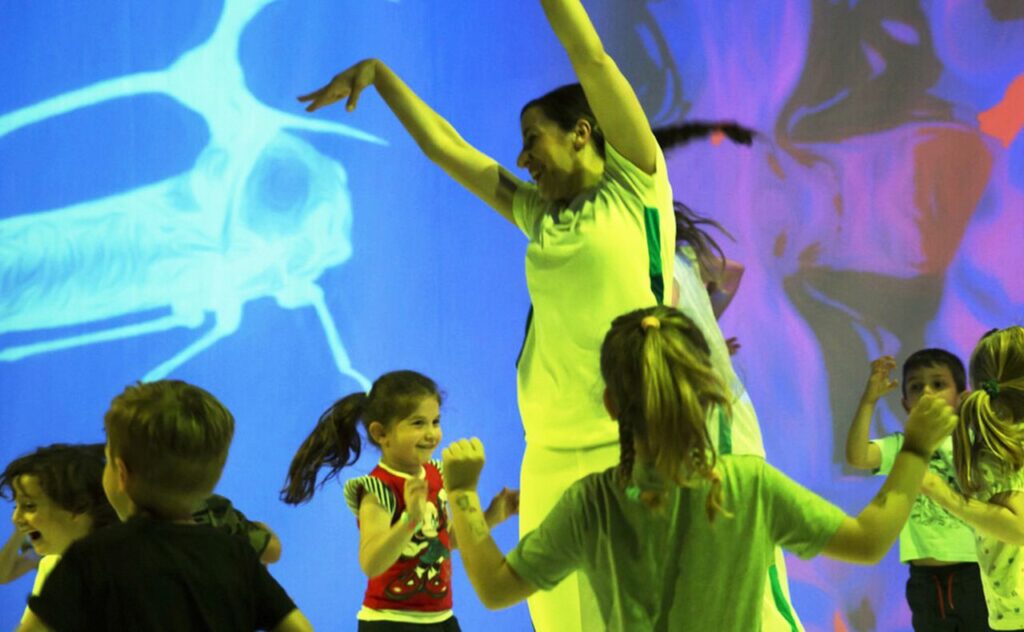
(690, 226)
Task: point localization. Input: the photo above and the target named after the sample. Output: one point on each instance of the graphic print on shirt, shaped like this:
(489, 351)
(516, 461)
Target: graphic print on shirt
(926, 511)
(430, 574)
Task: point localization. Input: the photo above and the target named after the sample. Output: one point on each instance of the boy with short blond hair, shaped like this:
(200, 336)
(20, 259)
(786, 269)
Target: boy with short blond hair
(167, 443)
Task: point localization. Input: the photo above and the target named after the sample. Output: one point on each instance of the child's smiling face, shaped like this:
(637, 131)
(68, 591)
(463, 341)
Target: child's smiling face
(410, 442)
(50, 527)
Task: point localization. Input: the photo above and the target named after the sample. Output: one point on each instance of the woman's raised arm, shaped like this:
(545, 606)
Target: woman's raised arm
(471, 168)
(612, 99)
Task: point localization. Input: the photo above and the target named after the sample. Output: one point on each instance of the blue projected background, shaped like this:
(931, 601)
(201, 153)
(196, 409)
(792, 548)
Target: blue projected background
(168, 209)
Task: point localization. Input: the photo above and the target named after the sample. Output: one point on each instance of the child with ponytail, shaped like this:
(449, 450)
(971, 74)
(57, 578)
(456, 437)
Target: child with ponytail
(988, 452)
(677, 537)
(400, 505)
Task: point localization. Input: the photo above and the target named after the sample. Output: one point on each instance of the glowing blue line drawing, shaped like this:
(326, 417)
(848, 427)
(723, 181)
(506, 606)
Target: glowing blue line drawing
(261, 213)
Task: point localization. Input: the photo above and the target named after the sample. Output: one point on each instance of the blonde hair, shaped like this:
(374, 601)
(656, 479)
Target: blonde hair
(990, 416)
(173, 438)
(657, 367)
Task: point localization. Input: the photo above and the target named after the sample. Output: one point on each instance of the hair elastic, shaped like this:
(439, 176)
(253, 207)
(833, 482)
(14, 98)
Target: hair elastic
(991, 387)
(650, 322)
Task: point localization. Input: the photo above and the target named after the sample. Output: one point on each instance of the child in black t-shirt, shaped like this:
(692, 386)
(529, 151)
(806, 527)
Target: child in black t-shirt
(166, 446)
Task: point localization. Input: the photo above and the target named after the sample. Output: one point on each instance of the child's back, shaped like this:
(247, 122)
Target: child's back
(626, 550)
(148, 574)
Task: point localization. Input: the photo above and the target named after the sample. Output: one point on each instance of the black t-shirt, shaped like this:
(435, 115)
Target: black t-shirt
(146, 575)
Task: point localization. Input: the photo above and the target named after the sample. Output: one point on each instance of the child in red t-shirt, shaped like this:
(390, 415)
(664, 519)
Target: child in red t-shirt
(404, 544)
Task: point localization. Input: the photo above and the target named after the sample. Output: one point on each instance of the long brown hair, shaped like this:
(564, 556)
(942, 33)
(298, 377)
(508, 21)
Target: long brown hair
(657, 367)
(991, 416)
(335, 441)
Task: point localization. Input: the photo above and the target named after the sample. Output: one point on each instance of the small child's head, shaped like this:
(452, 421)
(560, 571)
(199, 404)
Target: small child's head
(401, 416)
(935, 372)
(167, 442)
(660, 384)
(58, 495)
(990, 415)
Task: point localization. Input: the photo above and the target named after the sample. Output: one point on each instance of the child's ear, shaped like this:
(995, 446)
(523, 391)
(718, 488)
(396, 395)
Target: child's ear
(377, 432)
(906, 409)
(122, 474)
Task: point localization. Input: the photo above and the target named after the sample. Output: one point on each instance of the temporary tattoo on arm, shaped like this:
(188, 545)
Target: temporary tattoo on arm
(474, 518)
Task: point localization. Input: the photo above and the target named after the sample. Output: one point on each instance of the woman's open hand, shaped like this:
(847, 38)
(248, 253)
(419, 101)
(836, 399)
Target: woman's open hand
(349, 83)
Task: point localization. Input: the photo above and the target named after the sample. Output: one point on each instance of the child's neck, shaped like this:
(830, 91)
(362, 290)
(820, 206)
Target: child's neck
(408, 470)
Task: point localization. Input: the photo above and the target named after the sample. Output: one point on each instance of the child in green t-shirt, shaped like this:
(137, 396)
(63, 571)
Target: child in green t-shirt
(944, 589)
(989, 458)
(677, 537)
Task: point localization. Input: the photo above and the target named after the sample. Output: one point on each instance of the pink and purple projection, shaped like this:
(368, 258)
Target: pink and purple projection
(166, 208)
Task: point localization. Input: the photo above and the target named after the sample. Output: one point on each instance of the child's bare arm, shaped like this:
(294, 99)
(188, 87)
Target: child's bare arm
(497, 585)
(722, 281)
(272, 552)
(32, 623)
(295, 621)
(860, 452)
(1002, 517)
(380, 542)
(14, 562)
(503, 506)
(866, 538)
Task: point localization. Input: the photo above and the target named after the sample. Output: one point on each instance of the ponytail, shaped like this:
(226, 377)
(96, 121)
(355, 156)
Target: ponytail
(334, 442)
(671, 136)
(656, 364)
(690, 225)
(991, 416)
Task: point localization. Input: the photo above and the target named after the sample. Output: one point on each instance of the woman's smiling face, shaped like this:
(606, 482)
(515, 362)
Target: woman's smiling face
(549, 155)
(50, 527)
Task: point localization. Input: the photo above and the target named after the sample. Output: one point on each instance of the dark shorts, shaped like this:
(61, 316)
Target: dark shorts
(947, 598)
(448, 625)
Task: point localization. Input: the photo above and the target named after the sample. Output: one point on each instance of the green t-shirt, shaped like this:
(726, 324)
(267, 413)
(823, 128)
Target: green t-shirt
(1001, 563)
(609, 252)
(674, 569)
(931, 531)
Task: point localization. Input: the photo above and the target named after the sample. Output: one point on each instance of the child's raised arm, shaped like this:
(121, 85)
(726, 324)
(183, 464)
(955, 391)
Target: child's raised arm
(380, 542)
(860, 452)
(468, 166)
(615, 104)
(866, 538)
(14, 560)
(1002, 517)
(495, 582)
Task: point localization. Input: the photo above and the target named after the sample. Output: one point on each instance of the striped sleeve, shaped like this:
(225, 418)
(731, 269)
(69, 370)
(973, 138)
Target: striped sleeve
(356, 487)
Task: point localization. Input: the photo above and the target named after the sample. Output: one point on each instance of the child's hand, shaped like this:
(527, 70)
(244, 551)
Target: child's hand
(416, 499)
(502, 507)
(463, 461)
(880, 381)
(930, 421)
(733, 344)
